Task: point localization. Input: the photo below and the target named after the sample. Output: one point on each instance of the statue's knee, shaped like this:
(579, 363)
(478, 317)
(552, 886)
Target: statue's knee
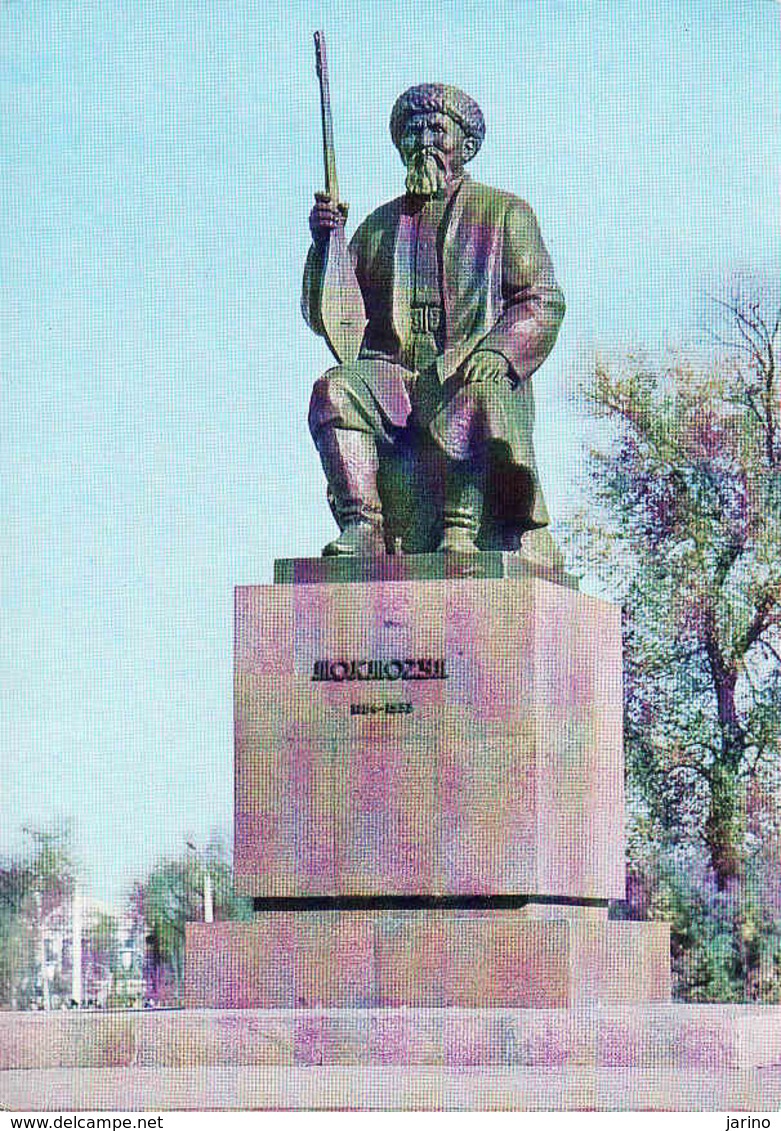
(333, 387)
(330, 399)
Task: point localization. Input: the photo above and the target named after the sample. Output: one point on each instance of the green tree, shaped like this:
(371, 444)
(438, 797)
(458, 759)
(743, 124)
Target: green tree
(687, 535)
(170, 897)
(31, 886)
(17, 941)
(101, 939)
(99, 950)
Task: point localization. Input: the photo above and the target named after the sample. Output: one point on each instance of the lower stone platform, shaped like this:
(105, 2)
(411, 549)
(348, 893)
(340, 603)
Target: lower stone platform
(431, 958)
(617, 1058)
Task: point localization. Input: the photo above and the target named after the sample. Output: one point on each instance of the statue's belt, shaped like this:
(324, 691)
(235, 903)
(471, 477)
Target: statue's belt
(425, 317)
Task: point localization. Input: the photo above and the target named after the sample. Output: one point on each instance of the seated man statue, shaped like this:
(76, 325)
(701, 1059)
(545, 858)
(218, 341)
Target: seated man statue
(426, 438)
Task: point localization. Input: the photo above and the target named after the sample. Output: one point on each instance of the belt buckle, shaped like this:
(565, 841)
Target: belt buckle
(425, 318)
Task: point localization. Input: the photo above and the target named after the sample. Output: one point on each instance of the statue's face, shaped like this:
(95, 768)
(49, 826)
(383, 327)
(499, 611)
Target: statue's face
(434, 149)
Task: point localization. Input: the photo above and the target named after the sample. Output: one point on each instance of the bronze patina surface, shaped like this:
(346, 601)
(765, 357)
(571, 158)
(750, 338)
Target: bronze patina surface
(426, 435)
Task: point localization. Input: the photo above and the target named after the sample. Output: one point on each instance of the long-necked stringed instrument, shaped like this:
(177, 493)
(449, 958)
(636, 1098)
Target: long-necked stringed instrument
(342, 313)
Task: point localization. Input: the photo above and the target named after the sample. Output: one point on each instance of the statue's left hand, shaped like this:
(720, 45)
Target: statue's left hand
(486, 365)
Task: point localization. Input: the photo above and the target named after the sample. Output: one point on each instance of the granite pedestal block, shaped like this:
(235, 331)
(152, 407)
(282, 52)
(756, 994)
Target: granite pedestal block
(449, 737)
(426, 959)
(428, 795)
(611, 1058)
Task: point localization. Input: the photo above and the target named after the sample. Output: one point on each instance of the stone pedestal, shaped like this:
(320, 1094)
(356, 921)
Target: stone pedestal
(426, 958)
(429, 795)
(613, 1058)
(449, 737)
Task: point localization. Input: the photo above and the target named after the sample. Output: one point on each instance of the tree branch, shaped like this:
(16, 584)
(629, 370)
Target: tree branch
(759, 622)
(771, 649)
(703, 771)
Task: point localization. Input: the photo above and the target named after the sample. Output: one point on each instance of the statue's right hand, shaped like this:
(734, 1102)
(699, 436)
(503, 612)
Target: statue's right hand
(326, 215)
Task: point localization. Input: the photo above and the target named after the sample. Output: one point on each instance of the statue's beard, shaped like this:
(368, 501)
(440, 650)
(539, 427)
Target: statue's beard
(426, 173)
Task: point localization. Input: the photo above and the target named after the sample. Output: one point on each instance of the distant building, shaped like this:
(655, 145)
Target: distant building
(110, 974)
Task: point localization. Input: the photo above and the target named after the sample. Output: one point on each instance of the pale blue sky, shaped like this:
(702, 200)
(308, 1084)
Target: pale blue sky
(156, 168)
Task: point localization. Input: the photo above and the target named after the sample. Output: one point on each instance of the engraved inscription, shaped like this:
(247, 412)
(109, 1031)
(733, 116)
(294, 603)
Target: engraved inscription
(343, 671)
(380, 708)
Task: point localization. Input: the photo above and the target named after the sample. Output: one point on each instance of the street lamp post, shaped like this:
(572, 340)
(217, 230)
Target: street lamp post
(208, 889)
(76, 936)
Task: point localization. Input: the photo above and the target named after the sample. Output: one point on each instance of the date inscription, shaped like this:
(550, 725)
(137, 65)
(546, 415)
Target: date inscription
(380, 708)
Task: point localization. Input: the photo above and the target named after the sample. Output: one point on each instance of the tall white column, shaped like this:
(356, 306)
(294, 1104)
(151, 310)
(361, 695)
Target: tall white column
(208, 898)
(76, 935)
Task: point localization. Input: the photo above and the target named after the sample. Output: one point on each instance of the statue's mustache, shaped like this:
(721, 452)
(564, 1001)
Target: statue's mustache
(426, 172)
(427, 153)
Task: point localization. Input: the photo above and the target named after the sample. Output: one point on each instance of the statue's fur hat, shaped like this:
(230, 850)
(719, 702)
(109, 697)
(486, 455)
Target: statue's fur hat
(435, 97)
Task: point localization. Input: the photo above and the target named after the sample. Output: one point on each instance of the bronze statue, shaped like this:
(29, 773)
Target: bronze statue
(426, 435)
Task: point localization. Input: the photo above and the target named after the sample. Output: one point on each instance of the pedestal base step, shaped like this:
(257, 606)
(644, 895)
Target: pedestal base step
(358, 959)
(674, 1038)
(388, 1089)
(619, 1058)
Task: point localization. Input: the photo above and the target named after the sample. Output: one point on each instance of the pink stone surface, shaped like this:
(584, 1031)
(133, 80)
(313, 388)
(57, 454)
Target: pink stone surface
(284, 960)
(431, 959)
(472, 960)
(670, 1036)
(505, 778)
(390, 1088)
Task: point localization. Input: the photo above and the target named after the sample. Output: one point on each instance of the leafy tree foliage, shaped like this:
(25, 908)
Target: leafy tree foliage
(16, 933)
(30, 888)
(171, 896)
(687, 534)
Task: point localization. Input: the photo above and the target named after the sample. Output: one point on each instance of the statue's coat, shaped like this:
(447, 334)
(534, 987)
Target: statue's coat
(499, 289)
(499, 293)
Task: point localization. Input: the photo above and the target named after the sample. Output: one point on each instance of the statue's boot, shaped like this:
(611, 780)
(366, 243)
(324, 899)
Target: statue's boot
(539, 549)
(463, 510)
(350, 463)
